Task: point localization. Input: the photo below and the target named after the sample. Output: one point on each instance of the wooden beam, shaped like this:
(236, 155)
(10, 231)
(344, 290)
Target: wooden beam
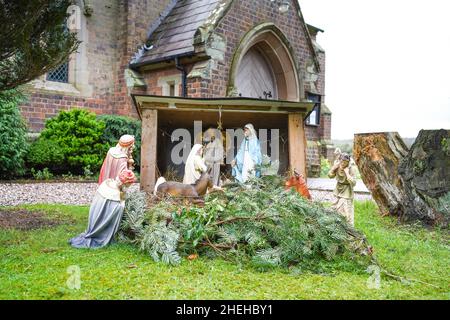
(225, 104)
(297, 143)
(148, 149)
(236, 109)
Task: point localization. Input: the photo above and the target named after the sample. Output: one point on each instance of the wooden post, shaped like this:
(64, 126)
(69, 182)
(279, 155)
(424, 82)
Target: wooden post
(297, 143)
(148, 149)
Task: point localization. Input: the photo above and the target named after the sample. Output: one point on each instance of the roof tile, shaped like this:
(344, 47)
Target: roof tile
(174, 36)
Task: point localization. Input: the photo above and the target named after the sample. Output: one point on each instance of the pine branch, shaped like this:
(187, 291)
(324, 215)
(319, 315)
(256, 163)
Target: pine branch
(263, 224)
(234, 219)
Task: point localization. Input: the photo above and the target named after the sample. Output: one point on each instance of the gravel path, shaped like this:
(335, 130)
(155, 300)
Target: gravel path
(12, 194)
(329, 184)
(327, 196)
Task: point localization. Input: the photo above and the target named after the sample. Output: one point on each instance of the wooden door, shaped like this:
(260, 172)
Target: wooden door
(255, 76)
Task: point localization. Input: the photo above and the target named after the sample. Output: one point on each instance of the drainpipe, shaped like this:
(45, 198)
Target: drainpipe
(183, 77)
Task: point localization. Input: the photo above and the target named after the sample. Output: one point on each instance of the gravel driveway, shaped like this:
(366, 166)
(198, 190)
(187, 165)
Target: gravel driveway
(12, 194)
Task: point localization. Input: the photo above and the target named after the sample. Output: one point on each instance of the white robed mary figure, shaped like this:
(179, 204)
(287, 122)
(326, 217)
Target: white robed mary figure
(249, 156)
(195, 165)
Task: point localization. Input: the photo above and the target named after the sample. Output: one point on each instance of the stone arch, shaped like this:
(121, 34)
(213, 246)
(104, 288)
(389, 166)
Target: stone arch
(273, 44)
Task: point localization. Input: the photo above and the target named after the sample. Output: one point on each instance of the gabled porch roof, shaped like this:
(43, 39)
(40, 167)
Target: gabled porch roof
(231, 104)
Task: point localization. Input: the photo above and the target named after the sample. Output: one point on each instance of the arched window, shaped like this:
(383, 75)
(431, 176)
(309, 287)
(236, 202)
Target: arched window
(72, 76)
(59, 74)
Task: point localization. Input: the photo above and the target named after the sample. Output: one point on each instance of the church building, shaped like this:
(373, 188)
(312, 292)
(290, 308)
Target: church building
(173, 62)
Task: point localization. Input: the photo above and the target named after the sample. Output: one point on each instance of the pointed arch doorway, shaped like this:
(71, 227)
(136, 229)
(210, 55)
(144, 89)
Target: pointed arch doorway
(264, 67)
(255, 77)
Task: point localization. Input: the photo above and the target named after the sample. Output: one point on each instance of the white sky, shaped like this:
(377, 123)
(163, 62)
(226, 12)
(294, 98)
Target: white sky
(388, 64)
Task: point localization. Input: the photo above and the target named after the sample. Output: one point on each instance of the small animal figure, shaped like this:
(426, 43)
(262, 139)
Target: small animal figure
(178, 189)
(297, 181)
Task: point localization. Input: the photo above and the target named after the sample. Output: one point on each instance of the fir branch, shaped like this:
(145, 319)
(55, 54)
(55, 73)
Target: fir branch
(234, 219)
(262, 223)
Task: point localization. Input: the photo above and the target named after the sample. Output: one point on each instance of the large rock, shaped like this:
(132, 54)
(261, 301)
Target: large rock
(426, 174)
(412, 184)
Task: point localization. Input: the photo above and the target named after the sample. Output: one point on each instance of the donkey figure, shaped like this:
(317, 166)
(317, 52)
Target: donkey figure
(178, 189)
(297, 181)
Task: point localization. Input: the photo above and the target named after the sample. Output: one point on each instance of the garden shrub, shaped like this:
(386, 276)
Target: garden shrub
(13, 130)
(77, 141)
(116, 126)
(46, 153)
(79, 137)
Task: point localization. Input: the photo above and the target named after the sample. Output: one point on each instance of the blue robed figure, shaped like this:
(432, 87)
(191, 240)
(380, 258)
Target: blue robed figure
(249, 156)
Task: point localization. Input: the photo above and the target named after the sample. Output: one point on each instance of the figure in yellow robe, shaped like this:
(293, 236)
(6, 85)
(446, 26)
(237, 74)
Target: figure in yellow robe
(344, 171)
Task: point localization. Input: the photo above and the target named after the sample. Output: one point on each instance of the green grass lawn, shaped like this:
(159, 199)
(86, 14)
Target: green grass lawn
(34, 265)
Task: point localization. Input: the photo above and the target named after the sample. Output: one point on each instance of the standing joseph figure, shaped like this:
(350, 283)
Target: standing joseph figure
(214, 153)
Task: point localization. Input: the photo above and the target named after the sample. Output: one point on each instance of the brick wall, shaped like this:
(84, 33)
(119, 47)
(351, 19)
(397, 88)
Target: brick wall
(241, 18)
(324, 129)
(321, 81)
(312, 150)
(101, 55)
(102, 46)
(118, 27)
(135, 19)
(152, 78)
(115, 30)
(42, 106)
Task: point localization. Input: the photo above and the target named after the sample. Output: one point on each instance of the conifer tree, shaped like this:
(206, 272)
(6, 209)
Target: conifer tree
(33, 39)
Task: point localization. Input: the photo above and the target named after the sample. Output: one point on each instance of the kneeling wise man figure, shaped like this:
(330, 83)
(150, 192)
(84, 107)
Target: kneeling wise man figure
(105, 212)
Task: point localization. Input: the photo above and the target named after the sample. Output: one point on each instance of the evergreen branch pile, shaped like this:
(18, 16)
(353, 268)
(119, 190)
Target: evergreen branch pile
(260, 223)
